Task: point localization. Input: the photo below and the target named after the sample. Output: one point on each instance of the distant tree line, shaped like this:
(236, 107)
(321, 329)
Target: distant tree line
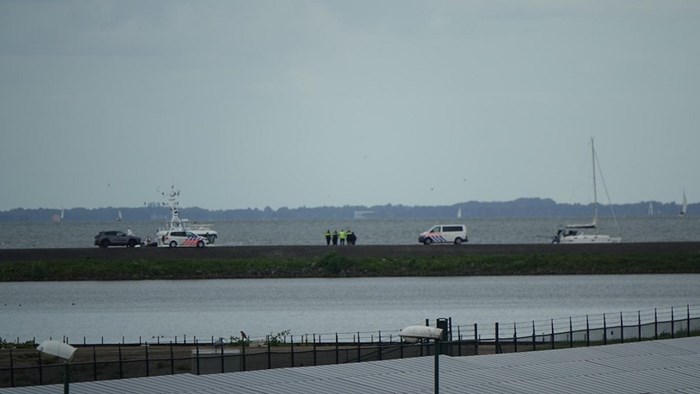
(520, 208)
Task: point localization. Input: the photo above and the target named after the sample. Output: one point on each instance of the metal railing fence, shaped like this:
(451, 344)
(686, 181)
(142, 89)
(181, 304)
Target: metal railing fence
(24, 366)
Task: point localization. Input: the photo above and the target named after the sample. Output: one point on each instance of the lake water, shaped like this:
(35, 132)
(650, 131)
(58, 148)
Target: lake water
(369, 232)
(148, 309)
(222, 308)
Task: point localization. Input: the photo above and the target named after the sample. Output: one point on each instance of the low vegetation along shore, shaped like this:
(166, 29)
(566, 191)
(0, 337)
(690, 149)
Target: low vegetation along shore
(357, 261)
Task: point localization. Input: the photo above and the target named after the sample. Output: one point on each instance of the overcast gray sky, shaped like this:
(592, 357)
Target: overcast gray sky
(309, 103)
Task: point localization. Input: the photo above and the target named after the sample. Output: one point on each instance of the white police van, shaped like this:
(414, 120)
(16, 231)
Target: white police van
(445, 233)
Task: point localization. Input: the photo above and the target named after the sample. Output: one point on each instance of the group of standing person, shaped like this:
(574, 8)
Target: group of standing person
(343, 236)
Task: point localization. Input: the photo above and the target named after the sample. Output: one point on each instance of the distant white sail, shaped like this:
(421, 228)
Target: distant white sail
(651, 209)
(684, 206)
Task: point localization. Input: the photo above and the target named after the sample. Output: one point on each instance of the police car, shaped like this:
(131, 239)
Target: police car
(445, 233)
(182, 239)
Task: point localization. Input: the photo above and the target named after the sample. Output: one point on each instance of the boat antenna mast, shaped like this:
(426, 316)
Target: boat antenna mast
(173, 204)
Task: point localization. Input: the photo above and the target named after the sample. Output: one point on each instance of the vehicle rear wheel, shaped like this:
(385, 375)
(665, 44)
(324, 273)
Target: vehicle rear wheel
(104, 243)
(200, 244)
(427, 241)
(458, 241)
(173, 244)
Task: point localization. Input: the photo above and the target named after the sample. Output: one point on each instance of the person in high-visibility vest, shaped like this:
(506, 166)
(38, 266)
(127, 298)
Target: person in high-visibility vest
(351, 237)
(341, 236)
(328, 237)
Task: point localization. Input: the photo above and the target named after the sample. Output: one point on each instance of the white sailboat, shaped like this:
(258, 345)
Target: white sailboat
(650, 212)
(119, 215)
(459, 213)
(57, 218)
(572, 233)
(684, 206)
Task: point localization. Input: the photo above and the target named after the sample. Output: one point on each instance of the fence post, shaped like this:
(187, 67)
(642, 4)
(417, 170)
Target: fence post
(476, 339)
(588, 332)
(291, 342)
(379, 345)
(498, 344)
(534, 344)
(359, 353)
(673, 326)
(622, 329)
(243, 354)
(12, 369)
(196, 347)
(337, 351)
(41, 371)
(121, 367)
(172, 360)
(571, 333)
(314, 348)
(605, 331)
(148, 368)
(459, 342)
(94, 363)
(639, 326)
(687, 314)
(223, 362)
(656, 325)
(449, 324)
(269, 353)
(552, 324)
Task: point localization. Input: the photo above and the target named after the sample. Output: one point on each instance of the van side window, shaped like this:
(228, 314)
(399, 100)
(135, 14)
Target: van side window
(452, 228)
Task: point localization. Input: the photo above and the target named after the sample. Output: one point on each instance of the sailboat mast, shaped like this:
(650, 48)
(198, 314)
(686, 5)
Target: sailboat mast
(595, 189)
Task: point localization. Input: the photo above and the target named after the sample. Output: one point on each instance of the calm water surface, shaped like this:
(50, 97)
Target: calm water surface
(224, 307)
(369, 232)
(206, 308)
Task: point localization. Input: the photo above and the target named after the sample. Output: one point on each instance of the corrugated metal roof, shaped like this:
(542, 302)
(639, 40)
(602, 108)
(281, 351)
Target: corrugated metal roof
(663, 366)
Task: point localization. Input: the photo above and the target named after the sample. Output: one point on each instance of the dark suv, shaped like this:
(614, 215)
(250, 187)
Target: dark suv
(106, 239)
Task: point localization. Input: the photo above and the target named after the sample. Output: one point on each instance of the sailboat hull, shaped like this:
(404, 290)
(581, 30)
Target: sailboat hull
(589, 239)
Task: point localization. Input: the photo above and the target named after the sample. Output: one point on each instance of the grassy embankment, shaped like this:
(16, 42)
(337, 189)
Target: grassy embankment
(334, 265)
